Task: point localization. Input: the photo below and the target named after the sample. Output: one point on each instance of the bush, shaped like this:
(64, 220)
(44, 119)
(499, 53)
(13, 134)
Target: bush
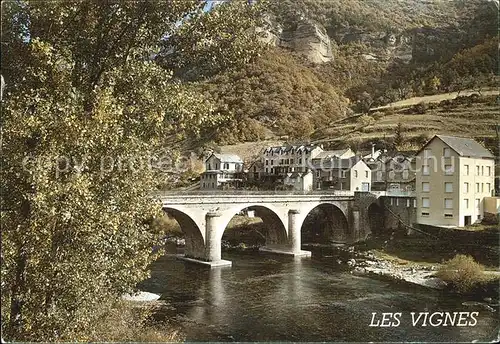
(420, 108)
(129, 322)
(462, 272)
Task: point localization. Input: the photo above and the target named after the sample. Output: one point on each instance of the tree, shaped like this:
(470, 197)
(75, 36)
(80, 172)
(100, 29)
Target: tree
(84, 119)
(398, 136)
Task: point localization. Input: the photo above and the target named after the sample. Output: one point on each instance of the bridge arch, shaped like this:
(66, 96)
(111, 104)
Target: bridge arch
(275, 222)
(325, 222)
(195, 238)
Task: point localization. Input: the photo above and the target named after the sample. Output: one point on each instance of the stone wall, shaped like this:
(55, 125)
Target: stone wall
(396, 209)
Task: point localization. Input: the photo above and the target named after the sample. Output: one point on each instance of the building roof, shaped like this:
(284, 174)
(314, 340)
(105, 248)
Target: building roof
(227, 157)
(333, 153)
(336, 163)
(286, 148)
(466, 147)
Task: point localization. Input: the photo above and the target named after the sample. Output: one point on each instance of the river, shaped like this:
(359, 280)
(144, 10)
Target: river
(274, 298)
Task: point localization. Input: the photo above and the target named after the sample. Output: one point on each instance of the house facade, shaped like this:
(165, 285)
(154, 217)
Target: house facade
(351, 174)
(221, 170)
(281, 160)
(299, 181)
(393, 172)
(453, 177)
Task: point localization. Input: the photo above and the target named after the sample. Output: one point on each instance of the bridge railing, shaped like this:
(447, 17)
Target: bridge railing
(394, 193)
(251, 192)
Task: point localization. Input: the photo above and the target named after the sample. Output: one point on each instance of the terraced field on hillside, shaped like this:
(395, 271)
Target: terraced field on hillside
(477, 120)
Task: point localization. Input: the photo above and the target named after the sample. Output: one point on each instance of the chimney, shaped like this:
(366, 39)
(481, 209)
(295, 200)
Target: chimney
(373, 150)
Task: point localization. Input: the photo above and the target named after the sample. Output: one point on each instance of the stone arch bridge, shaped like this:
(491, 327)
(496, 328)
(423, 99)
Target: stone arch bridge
(203, 217)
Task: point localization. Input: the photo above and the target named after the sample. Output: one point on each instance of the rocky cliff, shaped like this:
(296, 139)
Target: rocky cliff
(305, 37)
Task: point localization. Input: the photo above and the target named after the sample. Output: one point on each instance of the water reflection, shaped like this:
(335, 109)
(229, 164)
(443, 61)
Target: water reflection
(267, 298)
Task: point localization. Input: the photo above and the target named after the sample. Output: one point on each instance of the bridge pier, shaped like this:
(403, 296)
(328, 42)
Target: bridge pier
(294, 240)
(213, 249)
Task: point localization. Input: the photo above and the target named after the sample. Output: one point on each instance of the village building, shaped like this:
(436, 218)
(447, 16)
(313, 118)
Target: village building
(299, 181)
(351, 174)
(339, 154)
(285, 159)
(454, 175)
(393, 172)
(222, 171)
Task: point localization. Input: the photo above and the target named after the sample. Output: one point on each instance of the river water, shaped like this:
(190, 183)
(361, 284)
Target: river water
(274, 298)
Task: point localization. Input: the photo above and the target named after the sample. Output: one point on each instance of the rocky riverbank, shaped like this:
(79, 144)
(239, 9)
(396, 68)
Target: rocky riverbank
(422, 275)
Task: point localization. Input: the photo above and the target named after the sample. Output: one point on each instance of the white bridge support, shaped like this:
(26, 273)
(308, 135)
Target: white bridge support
(203, 217)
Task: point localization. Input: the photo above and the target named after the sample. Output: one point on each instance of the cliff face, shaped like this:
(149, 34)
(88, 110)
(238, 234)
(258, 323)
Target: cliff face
(314, 28)
(305, 37)
(309, 39)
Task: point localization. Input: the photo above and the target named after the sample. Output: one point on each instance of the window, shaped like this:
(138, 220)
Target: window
(478, 203)
(272, 162)
(488, 171)
(405, 174)
(397, 201)
(448, 170)
(466, 203)
(425, 170)
(477, 187)
(425, 214)
(226, 166)
(448, 187)
(466, 187)
(482, 170)
(267, 162)
(488, 187)
(407, 203)
(392, 201)
(318, 174)
(448, 216)
(366, 174)
(291, 161)
(379, 175)
(446, 152)
(477, 170)
(426, 187)
(448, 203)
(355, 173)
(427, 153)
(482, 187)
(414, 203)
(426, 203)
(343, 174)
(466, 170)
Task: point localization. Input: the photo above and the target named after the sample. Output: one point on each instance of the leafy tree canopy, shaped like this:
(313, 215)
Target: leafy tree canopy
(86, 114)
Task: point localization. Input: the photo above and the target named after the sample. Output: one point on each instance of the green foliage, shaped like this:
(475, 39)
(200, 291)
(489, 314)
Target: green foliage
(210, 43)
(85, 117)
(462, 272)
(273, 92)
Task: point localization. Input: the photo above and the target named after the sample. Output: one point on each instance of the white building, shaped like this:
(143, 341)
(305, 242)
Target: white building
(453, 177)
(221, 170)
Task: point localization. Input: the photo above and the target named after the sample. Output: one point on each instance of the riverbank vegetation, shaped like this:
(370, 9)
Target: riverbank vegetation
(131, 322)
(482, 244)
(464, 274)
